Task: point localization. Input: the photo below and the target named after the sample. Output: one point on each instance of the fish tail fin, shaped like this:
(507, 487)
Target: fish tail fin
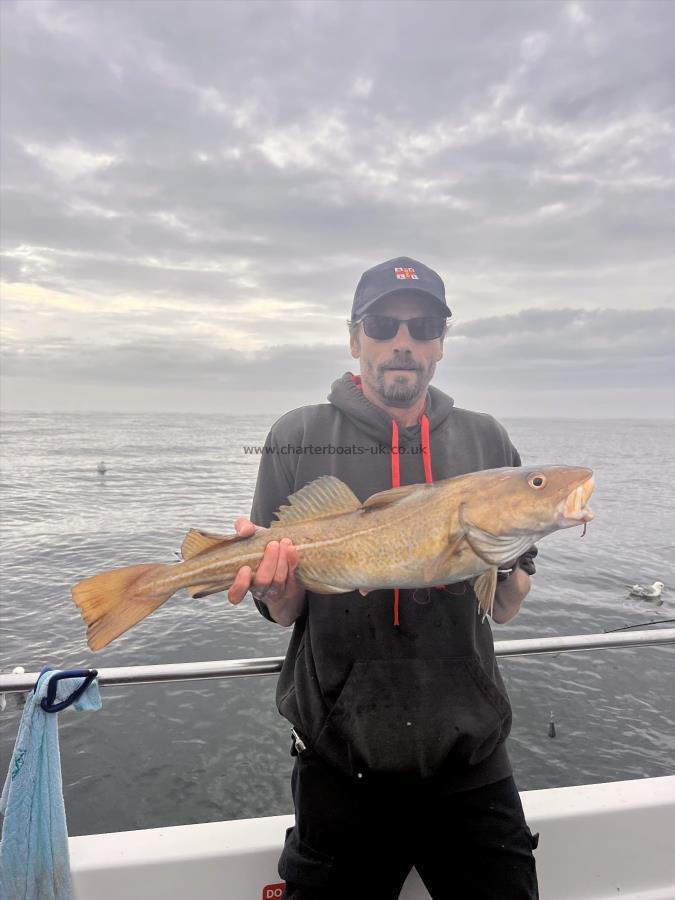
(485, 588)
(115, 601)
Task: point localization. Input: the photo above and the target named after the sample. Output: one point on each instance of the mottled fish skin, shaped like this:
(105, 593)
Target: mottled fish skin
(408, 537)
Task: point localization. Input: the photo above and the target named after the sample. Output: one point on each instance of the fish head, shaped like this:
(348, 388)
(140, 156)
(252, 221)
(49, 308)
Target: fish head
(530, 500)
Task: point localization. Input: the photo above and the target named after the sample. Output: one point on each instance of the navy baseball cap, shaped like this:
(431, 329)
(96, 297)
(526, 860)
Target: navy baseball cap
(400, 274)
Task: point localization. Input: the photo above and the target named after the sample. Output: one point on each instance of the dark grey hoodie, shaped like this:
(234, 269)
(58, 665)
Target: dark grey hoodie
(423, 697)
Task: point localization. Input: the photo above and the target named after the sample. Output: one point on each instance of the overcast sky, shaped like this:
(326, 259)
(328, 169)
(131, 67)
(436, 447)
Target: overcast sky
(191, 191)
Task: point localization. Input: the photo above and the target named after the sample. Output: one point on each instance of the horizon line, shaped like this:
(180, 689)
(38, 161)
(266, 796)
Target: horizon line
(147, 412)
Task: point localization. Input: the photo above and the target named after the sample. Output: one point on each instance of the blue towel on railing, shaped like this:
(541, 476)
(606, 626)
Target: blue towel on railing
(34, 860)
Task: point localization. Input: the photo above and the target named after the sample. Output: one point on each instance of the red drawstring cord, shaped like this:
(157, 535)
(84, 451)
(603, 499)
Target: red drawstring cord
(396, 474)
(395, 459)
(426, 448)
(396, 467)
(395, 482)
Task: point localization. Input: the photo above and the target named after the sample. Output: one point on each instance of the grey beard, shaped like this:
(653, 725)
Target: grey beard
(401, 394)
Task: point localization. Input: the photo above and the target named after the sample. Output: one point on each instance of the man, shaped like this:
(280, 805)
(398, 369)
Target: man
(398, 709)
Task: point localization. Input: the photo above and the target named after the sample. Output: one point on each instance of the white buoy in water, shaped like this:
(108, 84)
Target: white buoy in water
(101, 468)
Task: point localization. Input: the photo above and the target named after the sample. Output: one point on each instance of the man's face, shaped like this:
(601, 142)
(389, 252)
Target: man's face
(398, 370)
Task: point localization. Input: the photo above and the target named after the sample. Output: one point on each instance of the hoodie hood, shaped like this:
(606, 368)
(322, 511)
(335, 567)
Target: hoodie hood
(348, 397)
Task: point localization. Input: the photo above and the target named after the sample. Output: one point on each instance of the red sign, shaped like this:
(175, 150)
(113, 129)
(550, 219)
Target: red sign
(273, 891)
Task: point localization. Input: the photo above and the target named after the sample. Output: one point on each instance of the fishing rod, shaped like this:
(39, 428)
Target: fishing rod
(640, 625)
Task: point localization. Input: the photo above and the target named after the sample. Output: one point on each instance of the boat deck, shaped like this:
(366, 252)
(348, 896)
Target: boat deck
(596, 841)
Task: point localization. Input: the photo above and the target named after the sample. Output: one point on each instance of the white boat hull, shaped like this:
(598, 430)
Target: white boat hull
(597, 841)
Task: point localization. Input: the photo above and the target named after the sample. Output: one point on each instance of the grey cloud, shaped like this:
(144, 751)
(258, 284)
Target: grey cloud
(157, 363)
(524, 150)
(599, 327)
(550, 348)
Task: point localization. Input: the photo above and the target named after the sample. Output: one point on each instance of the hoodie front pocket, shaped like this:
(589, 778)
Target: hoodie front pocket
(414, 715)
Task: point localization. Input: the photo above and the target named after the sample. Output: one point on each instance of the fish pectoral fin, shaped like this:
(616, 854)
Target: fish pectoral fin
(439, 566)
(196, 542)
(485, 588)
(317, 587)
(493, 549)
(325, 496)
(394, 495)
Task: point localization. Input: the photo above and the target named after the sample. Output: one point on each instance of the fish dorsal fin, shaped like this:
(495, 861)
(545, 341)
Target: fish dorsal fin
(493, 548)
(196, 542)
(325, 496)
(393, 495)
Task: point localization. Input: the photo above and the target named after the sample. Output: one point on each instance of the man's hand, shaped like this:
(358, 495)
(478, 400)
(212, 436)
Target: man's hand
(274, 583)
(510, 595)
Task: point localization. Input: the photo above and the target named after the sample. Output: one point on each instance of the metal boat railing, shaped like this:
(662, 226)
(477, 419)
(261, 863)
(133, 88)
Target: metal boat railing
(272, 665)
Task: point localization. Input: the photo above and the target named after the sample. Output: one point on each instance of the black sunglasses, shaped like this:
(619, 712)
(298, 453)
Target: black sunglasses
(384, 328)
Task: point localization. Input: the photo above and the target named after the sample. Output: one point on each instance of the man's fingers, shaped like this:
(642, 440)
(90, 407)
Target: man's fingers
(240, 585)
(242, 582)
(268, 566)
(274, 574)
(244, 527)
(292, 557)
(283, 570)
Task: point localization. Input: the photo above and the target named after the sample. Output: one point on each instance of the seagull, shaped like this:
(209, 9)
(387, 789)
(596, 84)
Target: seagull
(101, 468)
(650, 591)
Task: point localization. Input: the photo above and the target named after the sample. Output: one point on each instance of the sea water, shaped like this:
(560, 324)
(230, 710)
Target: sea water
(170, 754)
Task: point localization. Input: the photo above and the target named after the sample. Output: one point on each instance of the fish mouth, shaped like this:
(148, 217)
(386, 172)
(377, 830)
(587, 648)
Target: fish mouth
(573, 509)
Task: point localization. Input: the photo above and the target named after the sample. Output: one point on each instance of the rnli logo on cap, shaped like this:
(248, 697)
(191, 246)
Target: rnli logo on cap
(402, 273)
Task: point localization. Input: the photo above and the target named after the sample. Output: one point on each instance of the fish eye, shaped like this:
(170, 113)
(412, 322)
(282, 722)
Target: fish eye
(536, 481)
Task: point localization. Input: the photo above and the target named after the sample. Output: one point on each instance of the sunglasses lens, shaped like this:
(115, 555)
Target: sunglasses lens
(422, 328)
(380, 328)
(426, 328)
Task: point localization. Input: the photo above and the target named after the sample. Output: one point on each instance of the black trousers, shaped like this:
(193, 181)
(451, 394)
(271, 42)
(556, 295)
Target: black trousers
(358, 839)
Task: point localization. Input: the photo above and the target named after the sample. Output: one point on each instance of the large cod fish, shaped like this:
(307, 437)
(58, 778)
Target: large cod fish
(408, 537)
